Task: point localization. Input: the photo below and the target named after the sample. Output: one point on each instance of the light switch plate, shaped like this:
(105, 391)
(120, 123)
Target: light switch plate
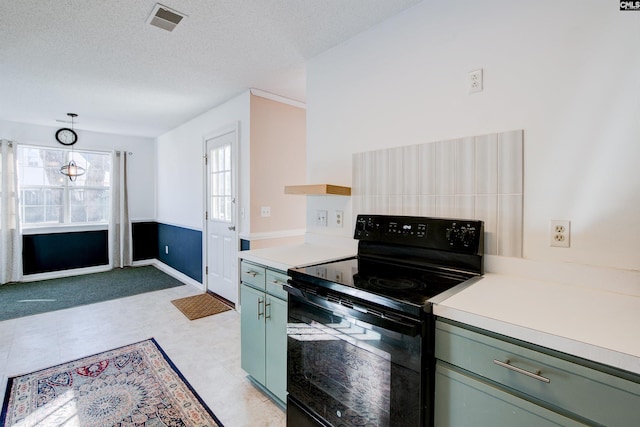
(321, 218)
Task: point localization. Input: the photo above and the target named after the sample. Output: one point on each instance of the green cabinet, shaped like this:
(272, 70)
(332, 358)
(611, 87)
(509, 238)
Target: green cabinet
(263, 325)
(463, 400)
(495, 380)
(252, 332)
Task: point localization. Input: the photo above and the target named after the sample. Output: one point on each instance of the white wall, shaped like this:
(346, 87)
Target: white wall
(564, 71)
(180, 164)
(141, 165)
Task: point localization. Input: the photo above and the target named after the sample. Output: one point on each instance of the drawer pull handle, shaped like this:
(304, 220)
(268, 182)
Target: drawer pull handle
(536, 375)
(260, 313)
(252, 273)
(267, 306)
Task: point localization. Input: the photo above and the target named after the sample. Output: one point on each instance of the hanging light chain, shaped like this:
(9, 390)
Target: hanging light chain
(72, 170)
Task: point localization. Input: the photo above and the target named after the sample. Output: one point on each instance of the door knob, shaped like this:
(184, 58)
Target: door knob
(232, 228)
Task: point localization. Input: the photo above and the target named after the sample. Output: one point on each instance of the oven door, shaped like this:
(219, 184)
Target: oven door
(348, 367)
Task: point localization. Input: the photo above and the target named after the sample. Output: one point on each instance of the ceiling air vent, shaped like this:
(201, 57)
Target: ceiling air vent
(164, 17)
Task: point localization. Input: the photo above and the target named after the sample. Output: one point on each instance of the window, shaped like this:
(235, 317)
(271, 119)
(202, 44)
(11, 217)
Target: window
(221, 191)
(49, 198)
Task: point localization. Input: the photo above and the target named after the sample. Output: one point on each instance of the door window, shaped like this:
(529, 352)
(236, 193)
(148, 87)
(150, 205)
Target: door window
(220, 183)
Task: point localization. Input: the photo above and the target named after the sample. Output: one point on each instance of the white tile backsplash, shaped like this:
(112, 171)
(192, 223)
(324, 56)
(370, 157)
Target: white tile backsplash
(465, 160)
(487, 210)
(477, 177)
(510, 163)
(445, 168)
(396, 180)
(411, 168)
(487, 164)
(427, 169)
(510, 225)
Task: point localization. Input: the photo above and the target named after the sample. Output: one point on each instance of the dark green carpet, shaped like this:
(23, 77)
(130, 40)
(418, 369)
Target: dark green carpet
(27, 298)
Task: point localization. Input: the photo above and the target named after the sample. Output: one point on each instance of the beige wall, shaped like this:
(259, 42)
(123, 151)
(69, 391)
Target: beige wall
(278, 158)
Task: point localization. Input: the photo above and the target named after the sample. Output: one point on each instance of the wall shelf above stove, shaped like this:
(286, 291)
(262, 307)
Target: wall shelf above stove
(318, 190)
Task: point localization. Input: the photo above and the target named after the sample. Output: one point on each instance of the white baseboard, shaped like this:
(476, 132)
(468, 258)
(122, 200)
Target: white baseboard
(102, 268)
(175, 273)
(64, 273)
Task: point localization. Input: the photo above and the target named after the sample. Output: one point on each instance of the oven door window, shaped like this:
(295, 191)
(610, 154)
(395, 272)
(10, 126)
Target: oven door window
(352, 372)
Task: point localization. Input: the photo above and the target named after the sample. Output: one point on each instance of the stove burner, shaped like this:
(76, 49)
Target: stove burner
(396, 284)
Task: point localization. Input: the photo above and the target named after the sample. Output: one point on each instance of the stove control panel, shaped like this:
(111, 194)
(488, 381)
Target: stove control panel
(462, 234)
(432, 233)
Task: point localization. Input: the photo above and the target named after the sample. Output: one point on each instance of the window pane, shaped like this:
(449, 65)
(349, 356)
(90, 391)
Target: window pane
(33, 215)
(227, 183)
(78, 214)
(32, 197)
(54, 214)
(227, 157)
(97, 170)
(89, 205)
(54, 196)
(48, 197)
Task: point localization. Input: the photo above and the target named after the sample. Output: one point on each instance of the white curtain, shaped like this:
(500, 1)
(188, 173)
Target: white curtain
(120, 228)
(10, 239)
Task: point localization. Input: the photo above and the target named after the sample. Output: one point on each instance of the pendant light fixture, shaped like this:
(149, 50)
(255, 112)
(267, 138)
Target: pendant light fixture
(66, 136)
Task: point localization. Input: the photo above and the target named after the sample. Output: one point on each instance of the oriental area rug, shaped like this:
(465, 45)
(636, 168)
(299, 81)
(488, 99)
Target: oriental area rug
(134, 385)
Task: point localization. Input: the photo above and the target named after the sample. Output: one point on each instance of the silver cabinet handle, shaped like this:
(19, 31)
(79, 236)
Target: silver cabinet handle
(267, 315)
(251, 273)
(536, 375)
(260, 302)
(277, 282)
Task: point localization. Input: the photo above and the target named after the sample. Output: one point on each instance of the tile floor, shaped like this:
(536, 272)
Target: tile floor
(206, 351)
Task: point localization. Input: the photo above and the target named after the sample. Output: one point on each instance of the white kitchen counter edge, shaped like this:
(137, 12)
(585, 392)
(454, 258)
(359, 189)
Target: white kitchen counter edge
(569, 346)
(284, 257)
(593, 324)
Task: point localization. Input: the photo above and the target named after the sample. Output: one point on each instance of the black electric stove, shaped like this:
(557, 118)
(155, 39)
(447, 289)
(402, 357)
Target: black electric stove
(360, 331)
(402, 261)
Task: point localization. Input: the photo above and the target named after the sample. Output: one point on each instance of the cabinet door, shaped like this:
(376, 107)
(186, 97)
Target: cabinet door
(462, 400)
(276, 347)
(252, 332)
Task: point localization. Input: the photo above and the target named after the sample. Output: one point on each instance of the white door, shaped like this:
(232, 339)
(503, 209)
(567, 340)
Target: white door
(222, 241)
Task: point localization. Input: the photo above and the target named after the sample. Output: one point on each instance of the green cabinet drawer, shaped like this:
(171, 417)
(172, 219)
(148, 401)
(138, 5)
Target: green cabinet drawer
(253, 274)
(561, 384)
(275, 281)
(463, 400)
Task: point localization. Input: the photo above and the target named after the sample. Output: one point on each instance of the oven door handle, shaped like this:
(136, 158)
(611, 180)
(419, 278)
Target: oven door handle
(358, 313)
(292, 290)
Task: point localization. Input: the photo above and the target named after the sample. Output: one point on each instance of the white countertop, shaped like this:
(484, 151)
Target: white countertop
(594, 323)
(285, 257)
(584, 311)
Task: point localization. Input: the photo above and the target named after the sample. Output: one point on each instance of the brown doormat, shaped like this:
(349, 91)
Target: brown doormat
(201, 305)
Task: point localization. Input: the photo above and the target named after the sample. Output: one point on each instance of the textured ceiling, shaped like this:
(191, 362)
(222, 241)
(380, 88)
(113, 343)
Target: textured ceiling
(99, 58)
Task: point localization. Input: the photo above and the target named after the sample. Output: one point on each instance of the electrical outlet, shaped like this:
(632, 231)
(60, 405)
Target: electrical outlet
(321, 218)
(265, 211)
(475, 81)
(338, 219)
(560, 233)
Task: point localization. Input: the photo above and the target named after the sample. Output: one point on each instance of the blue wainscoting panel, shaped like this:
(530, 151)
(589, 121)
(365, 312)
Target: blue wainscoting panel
(42, 253)
(145, 240)
(184, 247)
